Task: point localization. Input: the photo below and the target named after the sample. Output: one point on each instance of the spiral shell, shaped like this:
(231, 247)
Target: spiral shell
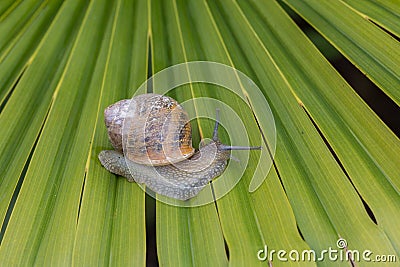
(155, 129)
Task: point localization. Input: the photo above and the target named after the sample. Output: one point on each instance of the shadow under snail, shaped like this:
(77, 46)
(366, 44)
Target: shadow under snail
(157, 142)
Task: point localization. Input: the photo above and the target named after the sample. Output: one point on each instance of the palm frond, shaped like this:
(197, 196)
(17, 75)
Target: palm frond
(335, 172)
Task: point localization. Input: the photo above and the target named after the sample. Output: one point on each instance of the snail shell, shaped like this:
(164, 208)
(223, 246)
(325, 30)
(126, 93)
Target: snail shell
(157, 129)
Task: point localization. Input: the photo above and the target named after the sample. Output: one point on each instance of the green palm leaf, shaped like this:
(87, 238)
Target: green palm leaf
(336, 168)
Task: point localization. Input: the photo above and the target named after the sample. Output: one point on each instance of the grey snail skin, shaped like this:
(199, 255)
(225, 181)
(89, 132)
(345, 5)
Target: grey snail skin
(158, 147)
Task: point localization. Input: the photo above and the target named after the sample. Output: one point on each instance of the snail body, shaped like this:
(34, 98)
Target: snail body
(158, 149)
(175, 180)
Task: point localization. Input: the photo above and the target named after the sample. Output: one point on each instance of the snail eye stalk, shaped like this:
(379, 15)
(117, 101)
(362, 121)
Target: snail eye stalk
(215, 133)
(225, 147)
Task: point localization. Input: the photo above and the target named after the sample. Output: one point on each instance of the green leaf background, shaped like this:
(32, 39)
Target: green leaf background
(336, 171)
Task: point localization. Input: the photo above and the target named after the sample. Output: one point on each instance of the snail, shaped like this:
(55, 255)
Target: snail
(158, 147)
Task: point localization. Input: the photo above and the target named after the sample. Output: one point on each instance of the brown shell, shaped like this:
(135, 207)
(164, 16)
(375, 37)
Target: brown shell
(156, 129)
